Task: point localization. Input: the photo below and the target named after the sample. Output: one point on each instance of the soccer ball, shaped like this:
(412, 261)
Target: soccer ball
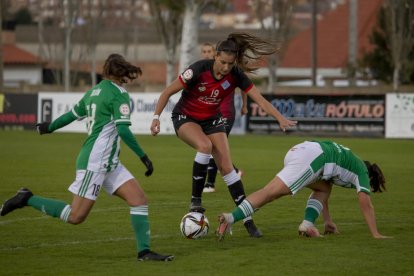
(194, 225)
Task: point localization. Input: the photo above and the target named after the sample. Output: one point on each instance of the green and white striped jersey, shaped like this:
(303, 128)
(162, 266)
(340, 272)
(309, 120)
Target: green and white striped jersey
(343, 167)
(104, 106)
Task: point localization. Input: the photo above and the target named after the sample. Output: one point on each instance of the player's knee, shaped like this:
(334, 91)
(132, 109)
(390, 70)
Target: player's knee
(205, 147)
(77, 218)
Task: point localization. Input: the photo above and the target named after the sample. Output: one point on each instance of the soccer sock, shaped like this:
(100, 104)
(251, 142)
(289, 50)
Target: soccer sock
(313, 210)
(51, 207)
(236, 189)
(243, 211)
(199, 174)
(211, 172)
(140, 224)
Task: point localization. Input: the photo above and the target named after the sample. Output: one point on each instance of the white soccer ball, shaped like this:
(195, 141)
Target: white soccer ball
(194, 225)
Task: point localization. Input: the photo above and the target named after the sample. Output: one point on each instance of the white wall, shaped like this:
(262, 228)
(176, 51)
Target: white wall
(14, 74)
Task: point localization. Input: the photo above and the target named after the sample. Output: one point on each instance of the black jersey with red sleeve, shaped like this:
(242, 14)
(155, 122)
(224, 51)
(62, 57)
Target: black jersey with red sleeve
(203, 93)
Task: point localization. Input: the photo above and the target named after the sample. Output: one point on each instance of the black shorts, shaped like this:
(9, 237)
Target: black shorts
(209, 126)
(228, 122)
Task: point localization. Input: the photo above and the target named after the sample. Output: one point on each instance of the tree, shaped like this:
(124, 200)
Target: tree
(274, 17)
(189, 37)
(167, 16)
(380, 60)
(70, 16)
(189, 51)
(400, 26)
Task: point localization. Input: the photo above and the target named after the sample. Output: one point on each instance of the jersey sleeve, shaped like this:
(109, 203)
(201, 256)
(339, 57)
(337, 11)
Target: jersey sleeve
(190, 75)
(121, 108)
(244, 82)
(79, 110)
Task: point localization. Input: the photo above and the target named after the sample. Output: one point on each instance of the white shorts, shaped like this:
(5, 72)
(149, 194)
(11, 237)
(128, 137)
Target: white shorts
(297, 172)
(88, 184)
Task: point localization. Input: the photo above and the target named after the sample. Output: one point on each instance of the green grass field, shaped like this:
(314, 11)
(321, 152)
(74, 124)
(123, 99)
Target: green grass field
(33, 244)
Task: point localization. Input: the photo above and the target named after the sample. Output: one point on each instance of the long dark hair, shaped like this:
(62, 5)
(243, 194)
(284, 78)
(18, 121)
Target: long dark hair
(117, 67)
(376, 177)
(246, 47)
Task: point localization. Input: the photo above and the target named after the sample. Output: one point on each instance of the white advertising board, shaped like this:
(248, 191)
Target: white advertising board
(399, 120)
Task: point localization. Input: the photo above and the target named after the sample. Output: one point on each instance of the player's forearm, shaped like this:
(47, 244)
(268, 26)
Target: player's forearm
(62, 121)
(369, 213)
(173, 88)
(129, 139)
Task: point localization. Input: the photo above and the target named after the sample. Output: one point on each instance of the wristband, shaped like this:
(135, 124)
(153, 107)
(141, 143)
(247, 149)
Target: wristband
(156, 117)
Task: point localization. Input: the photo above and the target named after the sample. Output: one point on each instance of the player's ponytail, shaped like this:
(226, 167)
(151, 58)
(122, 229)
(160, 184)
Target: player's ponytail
(246, 47)
(376, 177)
(117, 67)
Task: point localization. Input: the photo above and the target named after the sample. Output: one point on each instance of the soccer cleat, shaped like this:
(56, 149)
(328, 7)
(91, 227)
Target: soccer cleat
(224, 227)
(195, 206)
(148, 255)
(252, 229)
(18, 201)
(209, 188)
(309, 230)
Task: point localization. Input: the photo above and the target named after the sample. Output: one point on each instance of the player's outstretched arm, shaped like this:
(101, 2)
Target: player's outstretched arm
(63, 120)
(173, 88)
(369, 214)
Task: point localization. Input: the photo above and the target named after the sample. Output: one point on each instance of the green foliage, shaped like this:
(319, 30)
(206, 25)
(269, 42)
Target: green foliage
(34, 244)
(379, 60)
(23, 17)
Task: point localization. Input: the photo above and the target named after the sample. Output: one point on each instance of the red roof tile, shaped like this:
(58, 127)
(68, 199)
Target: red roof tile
(14, 55)
(332, 37)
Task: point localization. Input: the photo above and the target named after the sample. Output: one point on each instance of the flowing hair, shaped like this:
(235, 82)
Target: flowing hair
(117, 67)
(376, 177)
(246, 47)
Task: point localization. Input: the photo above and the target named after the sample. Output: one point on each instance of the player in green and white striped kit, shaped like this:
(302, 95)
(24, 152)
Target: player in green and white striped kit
(315, 165)
(106, 110)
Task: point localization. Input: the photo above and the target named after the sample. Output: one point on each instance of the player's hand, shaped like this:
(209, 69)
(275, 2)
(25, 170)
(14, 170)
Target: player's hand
(148, 164)
(155, 127)
(285, 123)
(330, 228)
(43, 128)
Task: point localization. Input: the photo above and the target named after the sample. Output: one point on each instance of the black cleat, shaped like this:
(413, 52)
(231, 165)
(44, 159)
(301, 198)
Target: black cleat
(252, 229)
(148, 255)
(195, 205)
(18, 201)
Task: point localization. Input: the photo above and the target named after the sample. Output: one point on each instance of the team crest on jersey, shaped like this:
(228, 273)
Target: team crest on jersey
(124, 109)
(188, 74)
(202, 88)
(225, 84)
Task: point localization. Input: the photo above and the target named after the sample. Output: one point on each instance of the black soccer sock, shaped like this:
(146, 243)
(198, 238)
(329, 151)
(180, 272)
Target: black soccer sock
(211, 172)
(199, 177)
(237, 192)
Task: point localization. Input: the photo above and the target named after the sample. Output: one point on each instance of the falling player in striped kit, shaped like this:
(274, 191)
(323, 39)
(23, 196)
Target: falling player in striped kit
(106, 108)
(197, 119)
(317, 165)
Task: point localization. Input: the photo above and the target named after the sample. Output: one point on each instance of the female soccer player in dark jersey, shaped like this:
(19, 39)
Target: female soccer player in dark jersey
(196, 117)
(106, 110)
(228, 112)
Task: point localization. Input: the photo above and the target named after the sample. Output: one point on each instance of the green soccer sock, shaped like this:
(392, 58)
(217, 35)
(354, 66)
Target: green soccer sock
(245, 209)
(48, 206)
(313, 210)
(140, 224)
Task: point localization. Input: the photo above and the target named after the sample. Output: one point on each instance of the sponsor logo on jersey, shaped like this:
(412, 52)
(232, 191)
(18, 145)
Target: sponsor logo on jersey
(95, 92)
(124, 109)
(188, 74)
(225, 84)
